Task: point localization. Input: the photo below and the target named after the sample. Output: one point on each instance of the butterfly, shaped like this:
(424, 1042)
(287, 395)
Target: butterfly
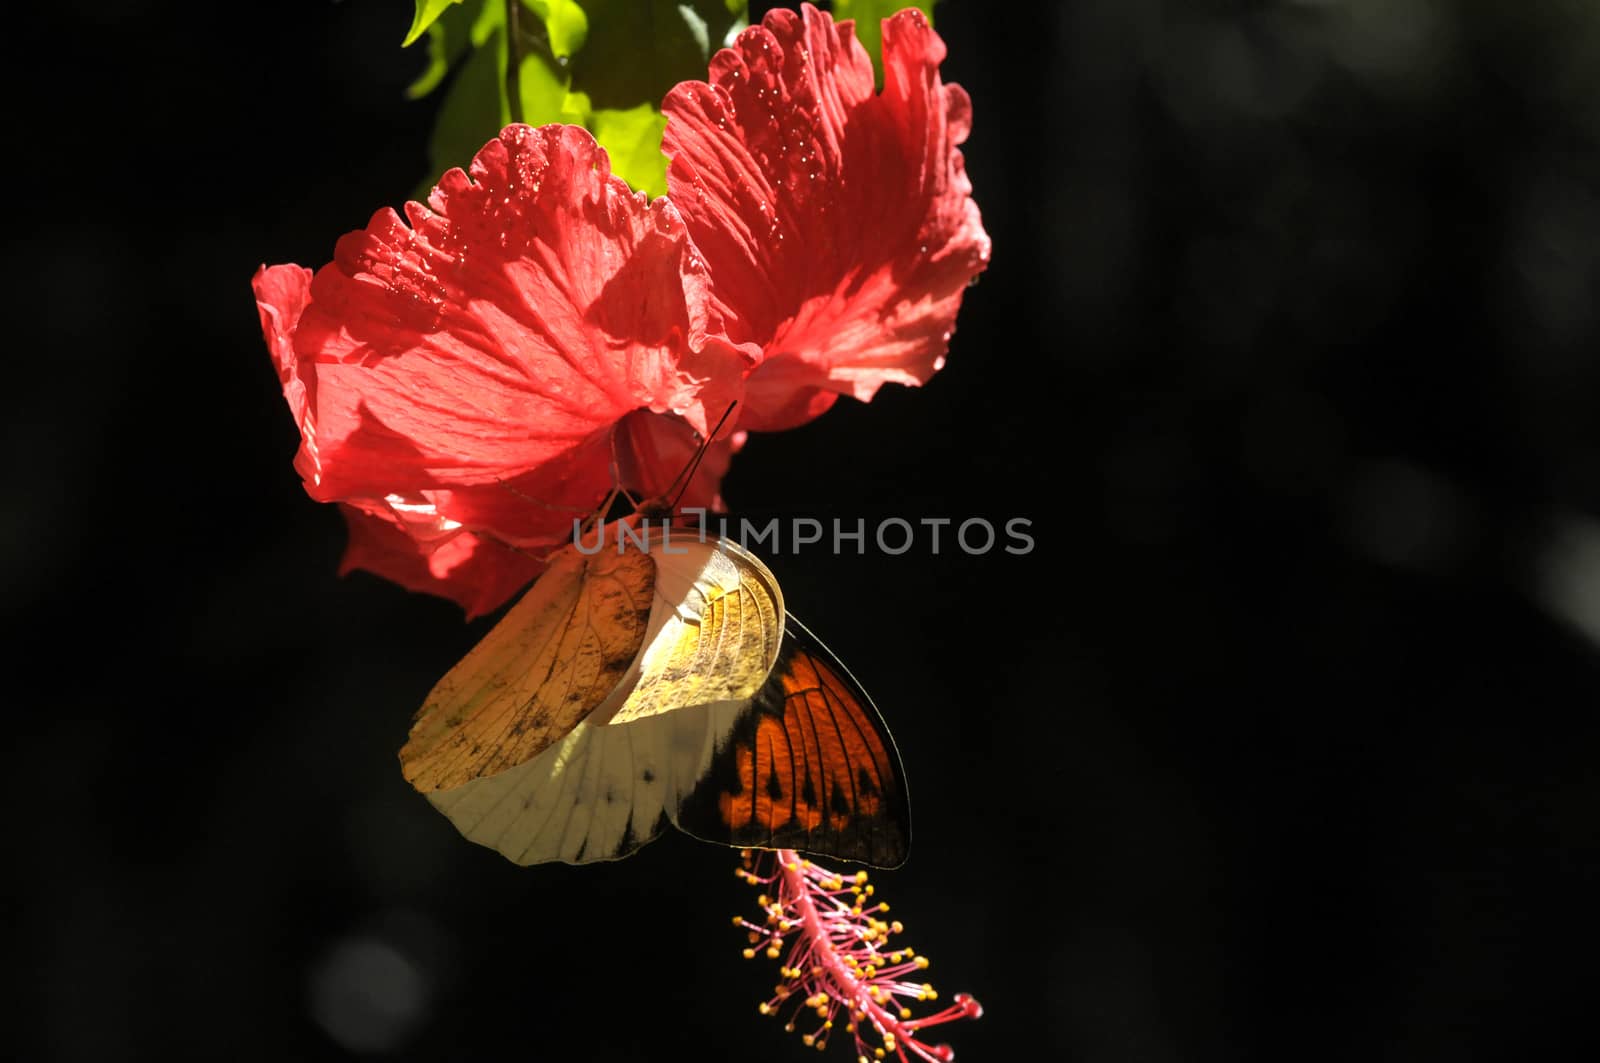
(658, 679)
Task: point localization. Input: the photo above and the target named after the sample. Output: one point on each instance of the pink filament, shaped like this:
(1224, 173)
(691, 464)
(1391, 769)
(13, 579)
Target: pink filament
(836, 958)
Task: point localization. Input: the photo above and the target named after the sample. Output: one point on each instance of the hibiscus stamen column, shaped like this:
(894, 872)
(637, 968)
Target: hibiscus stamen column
(839, 959)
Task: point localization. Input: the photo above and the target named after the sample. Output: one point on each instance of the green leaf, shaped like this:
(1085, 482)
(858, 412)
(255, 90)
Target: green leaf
(869, 16)
(471, 113)
(448, 39)
(476, 107)
(565, 22)
(602, 64)
(632, 138)
(544, 94)
(468, 24)
(428, 11)
(638, 49)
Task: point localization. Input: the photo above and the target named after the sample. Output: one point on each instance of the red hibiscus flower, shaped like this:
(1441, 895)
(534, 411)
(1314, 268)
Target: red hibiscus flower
(838, 224)
(467, 383)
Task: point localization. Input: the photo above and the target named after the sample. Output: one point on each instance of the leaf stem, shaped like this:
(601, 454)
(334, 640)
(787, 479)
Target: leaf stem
(514, 59)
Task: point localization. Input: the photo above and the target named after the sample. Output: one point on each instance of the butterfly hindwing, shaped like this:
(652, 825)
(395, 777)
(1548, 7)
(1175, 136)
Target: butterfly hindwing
(808, 765)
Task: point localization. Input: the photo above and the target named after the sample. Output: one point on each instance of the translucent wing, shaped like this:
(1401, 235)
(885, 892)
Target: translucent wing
(808, 764)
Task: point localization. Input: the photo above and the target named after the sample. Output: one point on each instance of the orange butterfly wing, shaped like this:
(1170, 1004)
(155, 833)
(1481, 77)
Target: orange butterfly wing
(545, 665)
(809, 765)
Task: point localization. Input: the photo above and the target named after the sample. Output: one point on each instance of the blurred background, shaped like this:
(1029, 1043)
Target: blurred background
(1280, 745)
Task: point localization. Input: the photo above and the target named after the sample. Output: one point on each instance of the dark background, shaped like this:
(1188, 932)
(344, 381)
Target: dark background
(1280, 745)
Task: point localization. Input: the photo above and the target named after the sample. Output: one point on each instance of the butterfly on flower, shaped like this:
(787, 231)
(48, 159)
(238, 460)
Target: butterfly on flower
(537, 330)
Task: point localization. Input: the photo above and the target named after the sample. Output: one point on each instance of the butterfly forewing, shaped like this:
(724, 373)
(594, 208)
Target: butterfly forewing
(550, 661)
(807, 765)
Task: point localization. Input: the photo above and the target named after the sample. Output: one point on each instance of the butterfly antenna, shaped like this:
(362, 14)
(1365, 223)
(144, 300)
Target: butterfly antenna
(686, 477)
(556, 506)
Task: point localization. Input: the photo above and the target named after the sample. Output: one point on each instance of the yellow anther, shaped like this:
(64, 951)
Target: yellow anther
(861, 876)
(879, 1053)
(808, 1039)
(922, 963)
(749, 954)
(763, 1008)
(738, 921)
(856, 910)
(883, 906)
(897, 927)
(764, 901)
(905, 1013)
(870, 888)
(774, 952)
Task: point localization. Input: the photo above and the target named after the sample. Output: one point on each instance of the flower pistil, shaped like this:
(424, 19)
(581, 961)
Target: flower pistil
(840, 960)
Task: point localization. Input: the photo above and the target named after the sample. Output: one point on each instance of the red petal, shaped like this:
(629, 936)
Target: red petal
(538, 507)
(479, 574)
(654, 451)
(427, 543)
(282, 293)
(535, 305)
(838, 225)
